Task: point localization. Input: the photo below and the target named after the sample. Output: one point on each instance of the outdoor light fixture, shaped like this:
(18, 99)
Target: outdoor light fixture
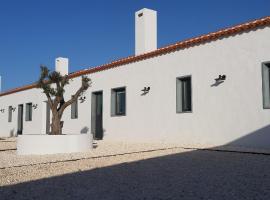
(2, 110)
(82, 99)
(145, 90)
(221, 78)
(34, 106)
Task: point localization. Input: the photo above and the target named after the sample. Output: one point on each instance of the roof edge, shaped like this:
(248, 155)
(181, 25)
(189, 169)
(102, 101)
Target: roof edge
(237, 29)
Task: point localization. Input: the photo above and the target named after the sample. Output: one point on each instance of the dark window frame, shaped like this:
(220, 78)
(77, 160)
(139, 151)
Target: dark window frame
(180, 79)
(114, 103)
(265, 102)
(75, 106)
(29, 111)
(10, 114)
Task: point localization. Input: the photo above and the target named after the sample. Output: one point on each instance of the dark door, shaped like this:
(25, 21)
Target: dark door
(20, 119)
(96, 115)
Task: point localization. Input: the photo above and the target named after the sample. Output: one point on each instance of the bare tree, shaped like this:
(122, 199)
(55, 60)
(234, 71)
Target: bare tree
(52, 84)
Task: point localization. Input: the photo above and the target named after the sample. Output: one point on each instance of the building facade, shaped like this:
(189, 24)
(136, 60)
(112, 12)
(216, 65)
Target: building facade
(211, 90)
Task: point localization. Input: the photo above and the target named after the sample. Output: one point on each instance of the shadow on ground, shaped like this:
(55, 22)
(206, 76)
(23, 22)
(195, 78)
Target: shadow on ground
(189, 175)
(198, 174)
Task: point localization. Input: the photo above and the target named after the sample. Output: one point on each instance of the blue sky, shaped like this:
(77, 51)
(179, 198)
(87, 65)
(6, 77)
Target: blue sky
(94, 32)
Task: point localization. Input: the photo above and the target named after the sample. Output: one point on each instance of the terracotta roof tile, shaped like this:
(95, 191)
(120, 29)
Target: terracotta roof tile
(167, 49)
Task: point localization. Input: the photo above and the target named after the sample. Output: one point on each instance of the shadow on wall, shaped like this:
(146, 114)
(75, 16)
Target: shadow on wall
(84, 130)
(189, 175)
(258, 140)
(12, 133)
(217, 83)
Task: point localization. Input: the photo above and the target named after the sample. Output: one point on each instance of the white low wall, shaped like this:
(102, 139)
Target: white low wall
(52, 144)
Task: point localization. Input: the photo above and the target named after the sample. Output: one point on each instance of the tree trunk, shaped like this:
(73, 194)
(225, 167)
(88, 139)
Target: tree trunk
(56, 125)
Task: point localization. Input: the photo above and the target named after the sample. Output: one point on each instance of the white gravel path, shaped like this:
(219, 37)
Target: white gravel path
(172, 173)
(9, 158)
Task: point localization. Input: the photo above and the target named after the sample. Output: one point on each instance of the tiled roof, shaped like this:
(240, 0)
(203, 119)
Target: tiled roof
(167, 49)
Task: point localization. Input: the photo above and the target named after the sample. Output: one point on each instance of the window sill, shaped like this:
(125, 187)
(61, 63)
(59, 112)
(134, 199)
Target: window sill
(122, 115)
(184, 112)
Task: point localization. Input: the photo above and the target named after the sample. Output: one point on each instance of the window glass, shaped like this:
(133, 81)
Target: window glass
(74, 109)
(118, 101)
(10, 114)
(183, 94)
(266, 85)
(28, 112)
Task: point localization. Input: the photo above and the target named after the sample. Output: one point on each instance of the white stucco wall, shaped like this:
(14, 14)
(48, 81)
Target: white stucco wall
(28, 96)
(229, 113)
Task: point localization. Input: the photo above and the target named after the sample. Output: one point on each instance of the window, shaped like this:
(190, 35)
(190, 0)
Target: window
(10, 114)
(183, 94)
(118, 101)
(28, 112)
(74, 109)
(266, 85)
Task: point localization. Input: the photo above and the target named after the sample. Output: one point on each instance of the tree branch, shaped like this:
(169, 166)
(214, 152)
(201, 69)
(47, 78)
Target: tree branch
(58, 104)
(72, 100)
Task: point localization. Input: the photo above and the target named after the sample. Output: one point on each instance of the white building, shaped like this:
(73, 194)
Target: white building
(211, 90)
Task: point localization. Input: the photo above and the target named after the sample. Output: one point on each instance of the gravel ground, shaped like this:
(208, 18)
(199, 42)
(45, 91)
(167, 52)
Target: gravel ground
(9, 158)
(135, 171)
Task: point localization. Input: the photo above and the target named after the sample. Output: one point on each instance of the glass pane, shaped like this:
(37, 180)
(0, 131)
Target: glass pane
(179, 95)
(9, 114)
(120, 103)
(186, 94)
(268, 70)
(266, 85)
(28, 112)
(74, 110)
(113, 103)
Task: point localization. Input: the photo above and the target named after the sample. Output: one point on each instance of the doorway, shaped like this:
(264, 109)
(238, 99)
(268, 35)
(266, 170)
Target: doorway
(20, 120)
(97, 115)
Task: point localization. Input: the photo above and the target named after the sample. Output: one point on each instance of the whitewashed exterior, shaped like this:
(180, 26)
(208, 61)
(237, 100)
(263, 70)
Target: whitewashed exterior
(230, 113)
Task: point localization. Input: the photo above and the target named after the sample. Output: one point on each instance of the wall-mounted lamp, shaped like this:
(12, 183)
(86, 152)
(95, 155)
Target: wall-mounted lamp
(34, 106)
(145, 90)
(2, 110)
(221, 78)
(13, 109)
(82, 99)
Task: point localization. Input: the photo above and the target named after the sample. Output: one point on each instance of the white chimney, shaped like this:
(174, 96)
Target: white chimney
(145, 31)
(61, 65)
